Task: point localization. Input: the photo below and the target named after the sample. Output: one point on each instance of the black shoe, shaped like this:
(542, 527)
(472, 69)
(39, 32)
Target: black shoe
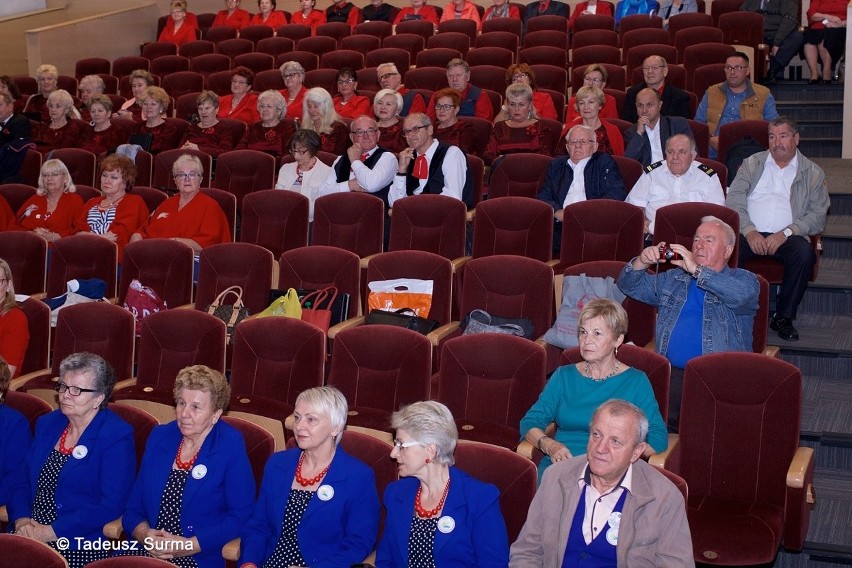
(815, 82)
(784, 327)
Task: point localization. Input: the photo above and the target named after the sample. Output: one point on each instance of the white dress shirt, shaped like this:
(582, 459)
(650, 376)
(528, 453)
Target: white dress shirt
(577, 190)
(372, 180)
(454, 168)
(656, 145)
(769, 204)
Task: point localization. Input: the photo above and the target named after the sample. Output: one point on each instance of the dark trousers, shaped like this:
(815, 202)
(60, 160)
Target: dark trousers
(786, 51)
(675, 397)
(797, 255)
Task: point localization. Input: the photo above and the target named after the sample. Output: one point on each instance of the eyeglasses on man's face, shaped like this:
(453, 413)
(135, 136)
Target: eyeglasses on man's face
(364, 133)
(413, 129)
(734, 68)
(387, 76)
(72, 390)
(580, 142)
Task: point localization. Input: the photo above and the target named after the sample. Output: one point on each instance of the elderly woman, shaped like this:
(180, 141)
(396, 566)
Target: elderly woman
(573, 393)
(164, 134)
(825, 38)
(16, 439)
(61, 131)
(180, 28)
(190, 217)
(241, 104)
(318, 114)
(195, 489)
(8, 87)
(307, 173)
(347, 103)
(268, 15)
(101, 135)
(448, 128)
(502, 9)
(47, 76)
(232, 16)
(329, 513)
(461, 10)
(521, 131)
(90, 86)
(418, 10)
(208, 134)
(669, 8)
(294, 91)
(308, 15)
(79, 470)
(542, 102)
(14, 329)
(589, 7)
(51, 212)
(271, 133)
(116, 214)
(132, 108)
(589, 103)
(437, 515)
(595, 75)
(386, 107)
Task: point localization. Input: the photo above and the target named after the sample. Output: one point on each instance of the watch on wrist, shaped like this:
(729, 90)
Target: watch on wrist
(788, 232)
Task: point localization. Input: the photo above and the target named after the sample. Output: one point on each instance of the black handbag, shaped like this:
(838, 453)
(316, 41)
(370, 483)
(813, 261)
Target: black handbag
(404, 317)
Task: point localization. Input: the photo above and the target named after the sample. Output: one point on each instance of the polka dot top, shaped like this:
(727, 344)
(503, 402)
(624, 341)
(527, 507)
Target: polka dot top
(168, 518)
(287, 551)
(421, 542)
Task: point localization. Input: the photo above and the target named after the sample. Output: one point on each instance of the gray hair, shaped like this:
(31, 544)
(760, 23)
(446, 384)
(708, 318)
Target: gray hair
(618, 407)
(277, 100)
(458, 62)
(51, 166)
(291, 67)
(330, 402)
(588, 129)
(730, 235)
(385, 92)
(93, 81)
(429, 422)
(390, 65)
(688, 138)
(423, 119)
(782, 120)
(104, 376)
(188, 159)
(64, 98)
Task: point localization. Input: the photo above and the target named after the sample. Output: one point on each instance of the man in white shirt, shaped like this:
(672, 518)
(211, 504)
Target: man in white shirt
(646, 140)
(677, 179)
(782, 199)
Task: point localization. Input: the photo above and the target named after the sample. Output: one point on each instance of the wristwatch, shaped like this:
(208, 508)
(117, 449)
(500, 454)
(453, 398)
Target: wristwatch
(788, 232)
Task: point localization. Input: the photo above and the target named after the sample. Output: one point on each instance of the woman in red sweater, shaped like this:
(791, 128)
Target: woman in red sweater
(14, 332)
(268, 15)
(51, 212)
(232, 16)
(179, 28)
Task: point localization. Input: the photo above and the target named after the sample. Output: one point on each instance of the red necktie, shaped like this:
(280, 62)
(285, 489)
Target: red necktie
(364, 157)
(421, 167)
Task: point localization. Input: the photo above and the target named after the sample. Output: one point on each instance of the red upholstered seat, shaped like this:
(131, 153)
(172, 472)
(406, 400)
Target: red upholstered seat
(182, 82)
(276, 220)
(738, 130)
(583, 56)
(504, 39)
(244, 171)
(513, 226)
(256, 33)
(80, 163)
(399, 57)
(631, 170)
(601, 229)
(552, 38)
(234, 46)
(544, 55)
(517, 175)
(167, 64)
(208, 63)
(142, 423)
(91, 66)
(163, 162)
(450, 40)
(339, 58)
(594, 21)
(294, 31)
(687, 20)
(594, 36)
(362, 43)
(81, 256)
(26, 254)
(334, 30)
(638, 21)
(678, 222)
(220, 34)
(275, 46)
(547, 22)
(316, 266)
(433, 223)
(422, 28)
(351, 221)
(16, 194)
(161, 264)
(323, 77)
(465, 26)
(701, 135)
(224, 265)
(125, 65)
(306, 59)
(157, 49)
(510, 25)
(437, 57)
(375, 28)
(260, 444)
(317, 44)
(31, 407)
(23, 551)
(193, 49)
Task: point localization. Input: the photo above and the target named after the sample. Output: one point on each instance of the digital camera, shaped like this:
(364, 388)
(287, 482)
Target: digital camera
(666, 253)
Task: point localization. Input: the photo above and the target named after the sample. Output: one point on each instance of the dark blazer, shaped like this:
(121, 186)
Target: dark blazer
(216, 507)
(639, 147)
(478, 538)
(16, 128)
(675, 102)
(338, 532)
(94, 483)
(602, 177)
(14, 443)
(555, 8)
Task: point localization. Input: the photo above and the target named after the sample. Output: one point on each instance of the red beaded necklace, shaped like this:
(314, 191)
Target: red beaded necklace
(423, 513)
(62, 449)
(312, 481)
(184, 465)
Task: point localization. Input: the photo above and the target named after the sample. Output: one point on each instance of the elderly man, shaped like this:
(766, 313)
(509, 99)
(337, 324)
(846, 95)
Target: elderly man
(677, 179)
(675, 101)
(390, 78)
(735, 99)
(14, 135)
(646, 140)
(474, 101)
(780, 30)
(782, 198)
(365, 166)
(429, 166)
(586, 174)
(608, 507)
(703, 307)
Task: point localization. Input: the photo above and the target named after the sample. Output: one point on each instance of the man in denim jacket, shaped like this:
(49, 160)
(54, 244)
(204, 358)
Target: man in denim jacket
(705, 307)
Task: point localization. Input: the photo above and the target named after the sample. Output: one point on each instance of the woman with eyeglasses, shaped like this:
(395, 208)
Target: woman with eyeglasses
(448, 128)
(268, 15)
(521, 131)
(318, 114)
(232, 16)
(101, 135)
(132, 108)
(386, 107)
(461, 10)
(294, 91)
(46, 77)
(241, 104)
(181, 27)
(347, 102)
(14, 329)
(271, 134)
(308, 15)
(208, 134)
(190, 217)
(595, 75)
(589, 101)
(328, 515)
(502, 9)
(419, 10)
(80, 467)
(164, 134)
(306, 173)
(116, 214)
(437, 515)
(542, 102)
(589, 8)
(64, 127)
(51, 212)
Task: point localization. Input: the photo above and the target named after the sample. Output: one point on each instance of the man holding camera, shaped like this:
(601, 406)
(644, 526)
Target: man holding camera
(703, 305)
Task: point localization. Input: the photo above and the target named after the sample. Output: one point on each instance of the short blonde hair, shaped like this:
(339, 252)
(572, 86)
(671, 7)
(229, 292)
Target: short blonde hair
(47, 69)
(207, 97)
(8, 301)
(53, 166)
(587, 91)
(609, 310)
(429, 422)
(385, 92)
(158, 95)
(203, 378)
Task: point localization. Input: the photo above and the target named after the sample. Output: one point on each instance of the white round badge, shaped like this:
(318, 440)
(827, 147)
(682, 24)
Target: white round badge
(325, 492)
(80, 451)
(199, 471)
(446, 524)
(612, 536)
(614, 520)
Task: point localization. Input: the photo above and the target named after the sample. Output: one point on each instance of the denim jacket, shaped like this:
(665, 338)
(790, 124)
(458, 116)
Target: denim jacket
(729, 305)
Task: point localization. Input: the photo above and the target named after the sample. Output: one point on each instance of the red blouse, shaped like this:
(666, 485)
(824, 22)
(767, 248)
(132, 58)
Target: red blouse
(14, 337)
(186, 33)
(313, 19)
(99, 142)
(239, 19)
(166, 136)
(131, 213)
(337, 141)
(201, 220)
(537, 138)
(543, 105)
(274, 140)
(33, 214)
(294, 108)
(275, 20)
(245, 111)
(214, 140)
(390, 138)
(355, 107)
(461, 134)
(428, 13)
(48, 138)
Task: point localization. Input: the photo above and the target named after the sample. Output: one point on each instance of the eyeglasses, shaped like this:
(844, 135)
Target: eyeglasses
(290, 75)
(52, 174)
(737, 68)
(519, 77)
(592, 80)
(345, 81)
(299, 151)
(444, 107)
(400, 445)
(387, 76)
(190, 175)
(238, 82)
(579, 142)
(364, 133)
(652, 67)
(413, 130)
(72, 390)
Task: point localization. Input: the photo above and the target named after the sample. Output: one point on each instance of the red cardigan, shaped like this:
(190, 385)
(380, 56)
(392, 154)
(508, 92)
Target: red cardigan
(356, 106)
(131, 213)
(186, 33)
(602, 9)
(313, 19)
(14, 337)
(239, 19)
(60, 221)
(245, 111)
(201, 220)
(275, 20)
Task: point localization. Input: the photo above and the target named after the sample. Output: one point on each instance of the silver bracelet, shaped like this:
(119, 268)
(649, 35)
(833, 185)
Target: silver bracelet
(539, 443)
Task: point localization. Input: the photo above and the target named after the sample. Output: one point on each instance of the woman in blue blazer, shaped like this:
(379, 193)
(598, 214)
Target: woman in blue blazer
(15, 436)
(318, 506)
(195, 489)
(80, 467)
(438, 515)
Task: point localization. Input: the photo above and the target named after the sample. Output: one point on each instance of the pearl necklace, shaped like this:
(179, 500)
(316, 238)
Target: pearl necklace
(588, 372)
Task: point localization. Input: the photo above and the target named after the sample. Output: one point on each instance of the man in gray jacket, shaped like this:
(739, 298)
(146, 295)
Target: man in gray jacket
(607, 507)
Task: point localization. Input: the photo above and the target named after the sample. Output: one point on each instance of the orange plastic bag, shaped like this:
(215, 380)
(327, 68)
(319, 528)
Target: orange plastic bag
(392, 295)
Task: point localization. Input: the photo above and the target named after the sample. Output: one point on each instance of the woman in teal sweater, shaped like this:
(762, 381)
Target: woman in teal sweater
(574, 391)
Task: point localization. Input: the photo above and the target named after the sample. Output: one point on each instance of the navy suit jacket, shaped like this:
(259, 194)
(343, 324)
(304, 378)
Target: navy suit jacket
(602, 177)
(16, 128)
(92, 488)
(338, 532)
(478, 538)
(639, 147)
(675, 102)
(215, 507)
(14, 443)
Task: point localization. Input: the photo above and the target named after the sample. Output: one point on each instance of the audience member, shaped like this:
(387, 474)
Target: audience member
(378, 11)
(9, 87)
(825, 38)
(46, 76)
(208, 134)
(386, 107)
(268, 15)
(390, 78)
(782, 199)
(14, 338)
(318, 114)
(419, 10)
(595, 508)
(232, 16)
(544, 8)
(307, 173)
(294, 91)
(448, 128)
(521, 131)
(589, 104)
(501, 9)
(343, 11)
(474, 101)
(461, 10)
(132, 108)
(595, 75)
(164, 134)
(675, 101)
(241, 104)
(591, 8)
(542, 102)
(647, 138)
(64, 127)
(347, 102)
(101, 135)
(179, 28)
(780, 31)
(51, 212)
(271, 134)
(90, 85)
(308, 15)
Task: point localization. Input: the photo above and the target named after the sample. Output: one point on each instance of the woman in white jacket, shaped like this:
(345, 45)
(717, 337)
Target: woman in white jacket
(307, 173)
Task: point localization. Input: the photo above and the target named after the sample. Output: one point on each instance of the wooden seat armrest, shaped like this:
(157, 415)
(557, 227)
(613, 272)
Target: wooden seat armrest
(457, 263)
(345, 324)
(185, 307)
(114, 530)
(365, 262)
(651, 345)
(124, 384)
(525, 449)
(289, 422)
(231, 550)
(553, 263)
(438, 335)
(16, 384)
(40, 296)
(659, 459)
(470, 215)
(772, 351)
(797, 473)
(4, 514)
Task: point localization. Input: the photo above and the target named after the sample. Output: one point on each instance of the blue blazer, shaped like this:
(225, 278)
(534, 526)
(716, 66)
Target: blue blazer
(338, 532)
(601, 175)
(92, 489)
(215, 507)
(478, 539)
(15, 440)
